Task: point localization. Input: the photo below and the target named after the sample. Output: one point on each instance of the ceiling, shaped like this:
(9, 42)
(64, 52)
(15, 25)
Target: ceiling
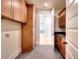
(57, 4)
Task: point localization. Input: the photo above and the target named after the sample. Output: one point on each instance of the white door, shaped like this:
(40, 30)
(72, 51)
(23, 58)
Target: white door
(72, 29)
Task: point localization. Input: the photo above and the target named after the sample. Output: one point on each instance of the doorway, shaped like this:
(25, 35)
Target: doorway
(46, 27)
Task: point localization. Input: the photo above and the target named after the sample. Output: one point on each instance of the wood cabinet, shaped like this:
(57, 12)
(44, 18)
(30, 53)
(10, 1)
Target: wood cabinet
(20, 9)
(62, 18)
(27, 31)
(59, 42)
(14, 10)
(16, 5)
(63, 46)
(6, 7)
(23, 11)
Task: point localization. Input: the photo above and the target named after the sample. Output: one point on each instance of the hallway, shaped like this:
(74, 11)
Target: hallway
(39, 29)
(41, 52)
(45, 50)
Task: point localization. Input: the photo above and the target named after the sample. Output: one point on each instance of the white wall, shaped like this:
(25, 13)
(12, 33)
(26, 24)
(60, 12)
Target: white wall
(11, 39)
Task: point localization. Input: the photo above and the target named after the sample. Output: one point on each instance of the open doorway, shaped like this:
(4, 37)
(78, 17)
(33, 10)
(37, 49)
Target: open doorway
(45, 28)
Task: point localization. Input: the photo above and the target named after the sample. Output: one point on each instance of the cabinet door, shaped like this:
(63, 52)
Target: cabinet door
(63, 47)
(16, 4)
(59, 42)
(23, 11)
(27, 39)
(14, 9)
(6, 7)
(62, 19)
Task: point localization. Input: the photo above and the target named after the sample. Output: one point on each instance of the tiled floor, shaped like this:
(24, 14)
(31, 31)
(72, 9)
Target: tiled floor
(42, 52)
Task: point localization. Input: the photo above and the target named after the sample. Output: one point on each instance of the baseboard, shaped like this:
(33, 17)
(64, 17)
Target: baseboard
(15, 54)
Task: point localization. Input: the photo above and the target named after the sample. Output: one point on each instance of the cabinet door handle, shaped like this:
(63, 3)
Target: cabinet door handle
(64, 42)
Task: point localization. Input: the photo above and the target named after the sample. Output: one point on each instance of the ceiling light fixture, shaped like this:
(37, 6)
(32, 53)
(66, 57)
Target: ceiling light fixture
(45, 4)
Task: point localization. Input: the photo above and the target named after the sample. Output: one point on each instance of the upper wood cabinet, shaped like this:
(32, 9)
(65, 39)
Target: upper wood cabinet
(15, 10)
(24, 11)
(62, 18)
(6, 7)
(16, 4)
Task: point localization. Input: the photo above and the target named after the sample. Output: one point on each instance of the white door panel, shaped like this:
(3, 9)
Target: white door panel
(72, 10)
(73, 50)
(73, 23)
(72, 36)
(72, 30)
(69, 55)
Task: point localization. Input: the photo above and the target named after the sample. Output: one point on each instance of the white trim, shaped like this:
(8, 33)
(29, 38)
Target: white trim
(15, 54)
(74, 16)
(69, 53)
(72, 46)
(72, 29)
